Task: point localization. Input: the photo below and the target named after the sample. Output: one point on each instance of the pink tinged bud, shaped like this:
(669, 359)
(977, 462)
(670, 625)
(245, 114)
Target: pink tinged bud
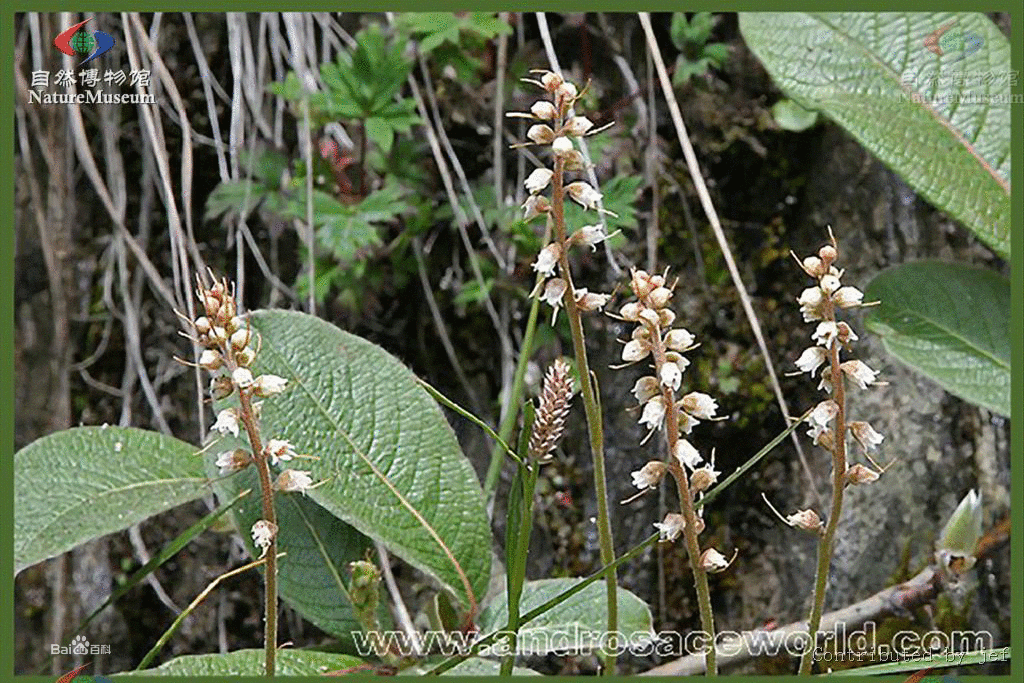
(263, 533)
(657, 280)
(551, 81)
(703, 478)
(823, 413)
(848, 297)
(827, 254)
(649, 476)
(210, 360)
(578, 126)
(658, 298)
(671, 527)
(294, 480)
(640, 282)
(591, 235)
(859, 372)
(535, 205)
(654, 413)
(538, 180)
(865, 435)
(202, 325)
(811, 359)
(813, 266)
(561, 146)
(233, 461)
(686, 421)
(679, 340)
(829, 284)
(590, 301)
(269, 385)
(635, 350)
(645, 389)
(700, 405)
(671, 376)
(859, 474)
(554, 290)
(687, 455)
(631, 311)
(583, 194)
(806, 520)
(825, 333)
(713, 562)
(541, 134)
(227, 422)
(547, 259)
(543, 110)
(242, 377)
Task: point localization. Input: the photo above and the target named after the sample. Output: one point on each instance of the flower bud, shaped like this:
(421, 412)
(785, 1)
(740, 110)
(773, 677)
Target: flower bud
(202, 325)
(578, 126)
(649, 317)
(635, 350)
(859, 474)
(657, 280)
(551, 81)
(813, 266)
(712, 561)
(211, 305)
(242, 377)
(679, 339)
(659, 297)
(561, 146)
(221, 386)
(218, 335)
(240, 338)
(566, 93)
(640, 282)
(211, 360)
(666, 316)
(543, 110)
(631, 311)
(827, 254)
(590, 301)
(245, 357)
(538, 180)
(541, 134)
(807, 520)
(234, 325)
(650, 475)
(848, 297)
(227, 310)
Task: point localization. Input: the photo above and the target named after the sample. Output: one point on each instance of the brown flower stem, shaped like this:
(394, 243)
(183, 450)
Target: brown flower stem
(248, 418)
(700, 577)
(827, 542)
(591, 407)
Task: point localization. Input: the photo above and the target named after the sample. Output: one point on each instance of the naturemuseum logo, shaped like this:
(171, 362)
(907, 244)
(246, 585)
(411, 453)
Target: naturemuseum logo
(951, 39)
(77, 41)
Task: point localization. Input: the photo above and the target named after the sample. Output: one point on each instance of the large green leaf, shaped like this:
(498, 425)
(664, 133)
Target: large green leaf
(313, 575)
(942, 121)
(251, 662)
(391, 464)
(951, 322)
(82, 483)
(587, 611)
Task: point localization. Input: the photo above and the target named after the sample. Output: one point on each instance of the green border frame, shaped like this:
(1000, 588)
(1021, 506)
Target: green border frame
(7, 244)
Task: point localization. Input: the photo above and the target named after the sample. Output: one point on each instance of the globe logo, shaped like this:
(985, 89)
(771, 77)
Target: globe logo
(77, 41)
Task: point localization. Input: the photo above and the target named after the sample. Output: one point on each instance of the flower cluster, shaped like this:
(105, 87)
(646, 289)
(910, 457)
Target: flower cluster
(549, 424)
(654, 338)
(819, 305)
(228, 353)
(558, 127)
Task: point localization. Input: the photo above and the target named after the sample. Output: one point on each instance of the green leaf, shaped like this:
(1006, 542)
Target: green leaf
(792, 117)
(379, 130)
(313, 575)
(951, 322)
(250, 663)
(79, 484)
(392, 466)
(474, 666)
(585, 611)
(231, 195)
(874, 74)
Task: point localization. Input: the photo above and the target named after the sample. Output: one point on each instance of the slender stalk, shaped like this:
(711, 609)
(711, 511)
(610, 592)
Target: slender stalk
(248, 418)
(591, 407)
(690, 530)
(827, 542)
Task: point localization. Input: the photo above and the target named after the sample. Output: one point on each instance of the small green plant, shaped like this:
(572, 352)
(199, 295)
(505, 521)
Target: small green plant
(696, 54)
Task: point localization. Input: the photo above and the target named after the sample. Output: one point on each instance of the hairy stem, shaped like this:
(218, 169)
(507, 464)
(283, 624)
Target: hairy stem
(827, 543)
(591, 407)
(248, 418)
(690, 533)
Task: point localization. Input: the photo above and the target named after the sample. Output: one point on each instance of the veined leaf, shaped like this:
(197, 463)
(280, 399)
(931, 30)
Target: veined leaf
(79, 484)
(927, 93)
(289, 662)
(951, 322)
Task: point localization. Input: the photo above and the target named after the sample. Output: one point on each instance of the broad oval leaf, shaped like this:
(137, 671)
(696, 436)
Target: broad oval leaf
(390, 463)
(951, 322)
(251, 663)
(587, 611)
(474, 666)
(78, 484)
(312, 577)
(927, 93)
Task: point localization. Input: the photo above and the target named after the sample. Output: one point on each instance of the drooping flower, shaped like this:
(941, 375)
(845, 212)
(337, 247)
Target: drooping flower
(294, 480)
(859, 372)
(671, 527)
(269, 385)
(263, 533)
(547, 259)
(687, 455)
(654, 413)
(649, 476)
(538, 180)
(227, 422)
(700, 405)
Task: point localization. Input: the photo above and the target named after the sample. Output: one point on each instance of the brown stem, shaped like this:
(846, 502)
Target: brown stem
(690, 533)
(827, 543)
(591, 407)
